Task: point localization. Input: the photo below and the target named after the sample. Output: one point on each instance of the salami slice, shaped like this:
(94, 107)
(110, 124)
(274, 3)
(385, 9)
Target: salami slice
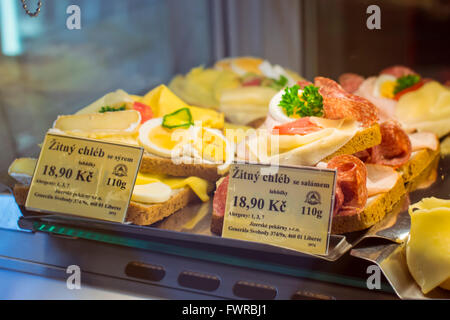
(364, 155)
(395, 147)
(351, 184)
(339, 104)
(220, 198)
(350, 81)
(303, 83)
(398, 71)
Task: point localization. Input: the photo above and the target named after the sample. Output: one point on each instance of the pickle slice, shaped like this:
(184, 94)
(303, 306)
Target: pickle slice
(181, 118)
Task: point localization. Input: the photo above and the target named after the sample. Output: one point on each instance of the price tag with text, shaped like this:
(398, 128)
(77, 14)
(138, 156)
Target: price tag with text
(290, 207)
(84, 177)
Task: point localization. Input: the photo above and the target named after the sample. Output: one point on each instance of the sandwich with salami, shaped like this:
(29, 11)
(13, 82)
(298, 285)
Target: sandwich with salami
(414, 109)
(323, 125)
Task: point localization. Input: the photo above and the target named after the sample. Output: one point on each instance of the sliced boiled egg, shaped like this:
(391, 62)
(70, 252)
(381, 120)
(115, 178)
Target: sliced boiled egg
(204, 145)
(245, 65)
(277, 112)
(213, 147)
(384, 86)
(155, 192)
(275, 72)
(158, 140)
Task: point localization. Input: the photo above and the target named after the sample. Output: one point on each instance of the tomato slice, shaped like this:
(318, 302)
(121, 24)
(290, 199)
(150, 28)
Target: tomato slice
(412, 88)
(252, 82)
(145, 111)
(301, 126)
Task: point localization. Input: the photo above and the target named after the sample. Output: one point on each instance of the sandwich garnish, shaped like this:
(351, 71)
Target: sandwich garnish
(280, 83)
(309, 104)
(112, 109)
(181, 118)
(406, 82)
(251, 79)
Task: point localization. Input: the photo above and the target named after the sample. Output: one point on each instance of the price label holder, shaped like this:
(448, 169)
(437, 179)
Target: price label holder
(84, 177)
(289, 207)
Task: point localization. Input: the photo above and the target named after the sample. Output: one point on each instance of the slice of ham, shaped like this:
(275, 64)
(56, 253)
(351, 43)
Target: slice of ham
(398, 71)
(385, 106)
(395, 147)
(339, 104)
(220, 198)
(380, 178)
(300, 126)
(423, 140)
(351, 185)
(350, 81)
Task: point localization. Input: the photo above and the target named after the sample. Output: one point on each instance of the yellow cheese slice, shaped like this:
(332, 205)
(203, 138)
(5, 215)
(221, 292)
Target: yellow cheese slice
(163, 101)
(426, 109)
(304, 150)
(97, 125)
(200, 186)
(22, 169)
(192, 92)
(136, 97)
(204, 78)
(246, 104)
(428, 247)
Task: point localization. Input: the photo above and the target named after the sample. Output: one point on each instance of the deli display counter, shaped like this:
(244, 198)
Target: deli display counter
(225, 149)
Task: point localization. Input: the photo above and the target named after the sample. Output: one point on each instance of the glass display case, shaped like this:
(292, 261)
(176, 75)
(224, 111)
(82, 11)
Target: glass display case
(231, 58)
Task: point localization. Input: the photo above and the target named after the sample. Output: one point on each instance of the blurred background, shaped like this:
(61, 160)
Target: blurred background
(47, 70)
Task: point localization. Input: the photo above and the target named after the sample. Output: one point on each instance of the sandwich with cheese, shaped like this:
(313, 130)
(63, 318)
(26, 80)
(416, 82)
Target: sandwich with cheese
(322, 125)
(240, 87)
(185, 149)
(420, 107)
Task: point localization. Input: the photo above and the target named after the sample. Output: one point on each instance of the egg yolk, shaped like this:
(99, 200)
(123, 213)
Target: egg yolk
(249, 64)
(211, 146)
(162, 137)
(387, 89)
(295, 115)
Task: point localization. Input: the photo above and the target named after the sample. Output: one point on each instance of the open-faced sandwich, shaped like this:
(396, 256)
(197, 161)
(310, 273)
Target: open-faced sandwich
(185, 150)
(240, 87)
(416, 112)
(323, 125)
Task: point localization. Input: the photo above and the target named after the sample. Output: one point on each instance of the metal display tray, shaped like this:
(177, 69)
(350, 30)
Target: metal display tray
(192, 224)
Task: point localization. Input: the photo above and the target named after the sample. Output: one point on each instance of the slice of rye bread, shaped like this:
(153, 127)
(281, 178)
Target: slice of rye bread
(362, 140)
(419, 161)
(425, 178)
(376, 208)
(158, 165)
(138, 213)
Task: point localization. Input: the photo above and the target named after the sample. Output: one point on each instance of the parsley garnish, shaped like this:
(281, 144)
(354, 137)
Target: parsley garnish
(111, 109)
(405, 82)
(280, 83)
(309, 104)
